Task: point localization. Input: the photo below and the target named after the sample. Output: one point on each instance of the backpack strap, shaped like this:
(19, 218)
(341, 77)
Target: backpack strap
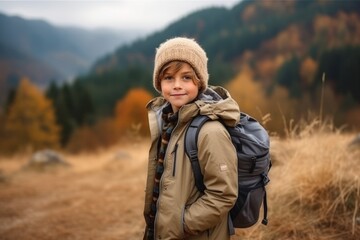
(265, 220)
(191, 149)
(265, 181)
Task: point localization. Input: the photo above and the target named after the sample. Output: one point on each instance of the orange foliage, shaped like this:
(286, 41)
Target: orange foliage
(266, 69)
(131, 114)
(278, 5)
(30, 123)
(83, 138)
(104, 131)
(353, 118)
(290, 40)
(308, 70)
(130, 119)
(87, 138)
(339, 30)
(248, 13)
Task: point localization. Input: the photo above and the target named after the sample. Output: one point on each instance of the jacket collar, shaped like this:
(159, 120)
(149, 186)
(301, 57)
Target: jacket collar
(215, 102)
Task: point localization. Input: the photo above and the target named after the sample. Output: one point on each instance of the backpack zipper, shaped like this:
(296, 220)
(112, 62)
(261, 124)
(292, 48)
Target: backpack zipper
(253, 162)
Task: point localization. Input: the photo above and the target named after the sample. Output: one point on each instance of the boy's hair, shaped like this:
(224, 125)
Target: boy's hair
(185, 50)
(176, 66)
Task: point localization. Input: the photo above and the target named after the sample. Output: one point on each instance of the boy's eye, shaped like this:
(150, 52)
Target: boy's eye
(186, 77)
(167, 78)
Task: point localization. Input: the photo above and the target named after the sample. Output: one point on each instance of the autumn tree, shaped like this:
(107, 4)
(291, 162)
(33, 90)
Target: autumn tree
(308, 70)
(248, 93)
(83, 139)
(131, 114)
(30, 122)
(275, 110)
(130, 119)
(102, 134)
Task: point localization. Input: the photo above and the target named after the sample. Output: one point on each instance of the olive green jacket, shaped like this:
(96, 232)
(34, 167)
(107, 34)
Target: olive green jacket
(182, 211)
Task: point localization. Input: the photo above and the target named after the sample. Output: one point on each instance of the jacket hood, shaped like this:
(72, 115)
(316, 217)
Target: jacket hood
(215, 102)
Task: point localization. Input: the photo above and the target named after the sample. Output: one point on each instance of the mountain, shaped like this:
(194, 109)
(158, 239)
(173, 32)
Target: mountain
(283, 49)
(275, 39)
(226, 34)
(43, 52)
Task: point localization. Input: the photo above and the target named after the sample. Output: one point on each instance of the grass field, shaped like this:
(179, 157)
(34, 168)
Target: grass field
(314, 193)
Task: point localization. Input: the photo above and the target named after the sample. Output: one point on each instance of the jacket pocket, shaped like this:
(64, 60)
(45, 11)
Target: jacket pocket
(174, 165)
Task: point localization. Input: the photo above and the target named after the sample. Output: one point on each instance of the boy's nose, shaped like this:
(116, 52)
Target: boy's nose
(177, 83)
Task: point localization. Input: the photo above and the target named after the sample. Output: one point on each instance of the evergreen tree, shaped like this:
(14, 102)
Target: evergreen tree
(83, 105)
(341, 67)
(10, 99)
(63, 118)
(289, 76)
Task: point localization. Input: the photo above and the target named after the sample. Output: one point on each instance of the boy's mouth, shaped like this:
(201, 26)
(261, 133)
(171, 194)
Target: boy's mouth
(177, 94)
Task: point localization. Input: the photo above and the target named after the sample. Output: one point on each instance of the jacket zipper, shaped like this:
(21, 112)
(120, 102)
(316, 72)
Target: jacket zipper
(160, 183)
(175, 153)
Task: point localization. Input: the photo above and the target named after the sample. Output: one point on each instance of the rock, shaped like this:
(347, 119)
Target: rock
(44, 159)
(121, 155)
(355, 143)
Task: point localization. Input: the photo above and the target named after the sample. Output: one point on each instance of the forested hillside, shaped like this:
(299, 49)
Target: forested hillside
(45, 53)
(286, 44)
(284, 62)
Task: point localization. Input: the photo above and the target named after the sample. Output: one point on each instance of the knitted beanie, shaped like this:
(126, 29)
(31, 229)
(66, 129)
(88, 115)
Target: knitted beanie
(181, 49)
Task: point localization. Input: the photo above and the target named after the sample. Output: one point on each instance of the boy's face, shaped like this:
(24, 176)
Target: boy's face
(179, 88)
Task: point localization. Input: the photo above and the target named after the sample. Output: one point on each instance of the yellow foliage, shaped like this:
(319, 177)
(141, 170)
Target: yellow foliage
(30, 123)
(248, 93)
(275, 111)
(131, 114)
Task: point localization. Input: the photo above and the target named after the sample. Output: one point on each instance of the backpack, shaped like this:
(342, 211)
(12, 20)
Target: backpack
(252, 145)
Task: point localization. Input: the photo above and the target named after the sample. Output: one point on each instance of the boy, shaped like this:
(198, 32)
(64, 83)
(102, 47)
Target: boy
(174, 208)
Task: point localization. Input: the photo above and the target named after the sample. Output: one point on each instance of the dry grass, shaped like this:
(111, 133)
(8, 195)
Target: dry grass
(314, 193)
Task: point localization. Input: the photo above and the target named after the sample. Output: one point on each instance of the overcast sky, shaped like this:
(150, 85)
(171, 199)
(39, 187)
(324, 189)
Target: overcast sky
(149, 15)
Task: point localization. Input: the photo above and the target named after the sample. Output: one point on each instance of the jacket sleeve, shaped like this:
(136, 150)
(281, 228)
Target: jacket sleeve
(218, 162)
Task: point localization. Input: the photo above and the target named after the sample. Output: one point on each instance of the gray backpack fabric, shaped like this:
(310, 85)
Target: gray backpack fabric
(252, 144)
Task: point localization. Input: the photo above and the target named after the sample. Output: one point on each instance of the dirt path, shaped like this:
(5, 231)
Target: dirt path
(99, 197)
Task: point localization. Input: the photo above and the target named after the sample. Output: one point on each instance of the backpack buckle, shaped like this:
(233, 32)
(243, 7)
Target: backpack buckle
(193, 155)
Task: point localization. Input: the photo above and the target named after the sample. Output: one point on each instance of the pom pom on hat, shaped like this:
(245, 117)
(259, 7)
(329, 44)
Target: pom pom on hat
(181, 49)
